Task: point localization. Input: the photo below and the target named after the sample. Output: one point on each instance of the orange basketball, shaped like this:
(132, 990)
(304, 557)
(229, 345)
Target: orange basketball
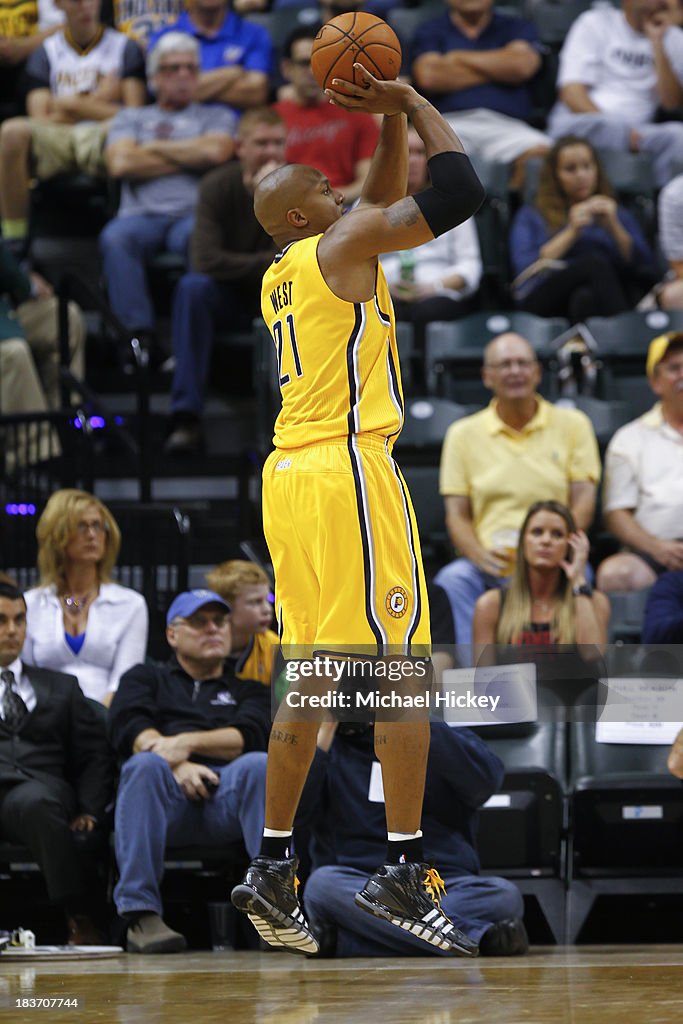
(350, 38)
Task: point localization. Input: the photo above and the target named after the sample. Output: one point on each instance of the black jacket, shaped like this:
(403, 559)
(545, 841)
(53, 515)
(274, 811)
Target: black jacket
(166, 698)
(63, 740)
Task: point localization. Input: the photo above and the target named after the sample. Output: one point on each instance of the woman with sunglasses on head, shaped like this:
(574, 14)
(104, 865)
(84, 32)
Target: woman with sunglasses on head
(79, 621)
(549, 601)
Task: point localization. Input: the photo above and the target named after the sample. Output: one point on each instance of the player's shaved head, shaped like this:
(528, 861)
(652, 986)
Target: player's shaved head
(282, 192)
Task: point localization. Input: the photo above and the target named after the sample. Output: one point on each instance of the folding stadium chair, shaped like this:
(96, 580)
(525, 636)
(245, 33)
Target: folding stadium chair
(606, 417)
(553, 20)
(404, 21)
(424, 427)
(522, 827)
(622, 343)
(626, 819)
(628, 613)
(492, 220)
(154, 560)
(454, 351)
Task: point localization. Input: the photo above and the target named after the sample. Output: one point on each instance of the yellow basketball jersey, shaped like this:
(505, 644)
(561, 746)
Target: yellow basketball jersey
(256, 660)
(337, 361)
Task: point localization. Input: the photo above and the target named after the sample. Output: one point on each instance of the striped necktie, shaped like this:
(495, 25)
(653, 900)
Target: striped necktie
(14, 710)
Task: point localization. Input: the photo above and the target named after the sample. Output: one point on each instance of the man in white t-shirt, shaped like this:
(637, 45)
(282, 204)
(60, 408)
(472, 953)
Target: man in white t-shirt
(643, 491)
(616, 68)
(77, 79)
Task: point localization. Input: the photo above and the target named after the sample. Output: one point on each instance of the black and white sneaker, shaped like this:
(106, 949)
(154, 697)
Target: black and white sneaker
(268, 896)
(408, 896)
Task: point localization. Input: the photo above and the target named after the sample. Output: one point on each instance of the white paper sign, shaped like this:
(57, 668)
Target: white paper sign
(511, 687)
(376, 788)
(640, 711)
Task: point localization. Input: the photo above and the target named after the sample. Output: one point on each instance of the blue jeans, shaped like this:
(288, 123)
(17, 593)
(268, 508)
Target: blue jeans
(473, 904)
(200, 305)
(153, 812)
(127, 244)
(464, 583)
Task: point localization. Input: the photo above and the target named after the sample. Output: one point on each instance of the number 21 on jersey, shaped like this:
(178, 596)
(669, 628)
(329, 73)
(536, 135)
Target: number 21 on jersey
(279, 336)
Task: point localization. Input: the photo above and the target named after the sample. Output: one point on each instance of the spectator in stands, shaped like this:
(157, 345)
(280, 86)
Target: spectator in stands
(229, 253)
(78, 79)
(23, 27)
(476, 64)
(497, 462)
(236, 55)
(349, 829)
(616, 68)
(575, 252)
(55, 770)
(140, 21)
(668, 294)
(437, 280)
(663, 622)
(643, 491)
(159, 153)
(549, 599)
(78, 619)
(29, 340)
(339, 143)
(193, 739)
(246, 588)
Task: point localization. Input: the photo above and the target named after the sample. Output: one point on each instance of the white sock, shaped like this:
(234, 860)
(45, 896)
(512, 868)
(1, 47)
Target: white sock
(400, 837)
(273, 833)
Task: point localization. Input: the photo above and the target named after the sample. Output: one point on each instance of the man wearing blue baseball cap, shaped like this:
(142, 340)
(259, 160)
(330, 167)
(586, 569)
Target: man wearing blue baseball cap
(193, 739)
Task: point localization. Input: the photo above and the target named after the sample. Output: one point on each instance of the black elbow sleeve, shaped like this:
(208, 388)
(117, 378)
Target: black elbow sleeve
(455, 194)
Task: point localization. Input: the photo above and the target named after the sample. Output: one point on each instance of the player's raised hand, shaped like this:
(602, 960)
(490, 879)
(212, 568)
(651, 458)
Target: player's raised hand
(373, 96)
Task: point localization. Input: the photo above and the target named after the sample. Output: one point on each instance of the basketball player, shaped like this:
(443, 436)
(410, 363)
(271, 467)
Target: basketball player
(337, 516)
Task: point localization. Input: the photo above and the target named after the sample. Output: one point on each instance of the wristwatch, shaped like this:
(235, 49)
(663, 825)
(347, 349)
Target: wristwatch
(582, 590)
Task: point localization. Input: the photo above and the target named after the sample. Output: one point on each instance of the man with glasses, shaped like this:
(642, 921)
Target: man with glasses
(193, 738)
(496, 463)
(643, 493)
(159, 153)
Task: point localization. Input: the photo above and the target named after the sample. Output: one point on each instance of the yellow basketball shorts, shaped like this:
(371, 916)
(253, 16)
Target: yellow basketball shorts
(342, 535)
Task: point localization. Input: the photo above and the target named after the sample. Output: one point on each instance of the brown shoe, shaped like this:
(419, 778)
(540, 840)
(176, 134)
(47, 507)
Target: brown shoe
(150, 935)
(82, 932)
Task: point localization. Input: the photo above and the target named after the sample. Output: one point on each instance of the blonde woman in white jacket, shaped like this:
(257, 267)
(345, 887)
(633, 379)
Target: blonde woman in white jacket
(79, 621)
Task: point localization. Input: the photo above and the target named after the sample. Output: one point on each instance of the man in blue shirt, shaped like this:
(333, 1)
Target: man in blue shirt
(475, 65)
(236, 55)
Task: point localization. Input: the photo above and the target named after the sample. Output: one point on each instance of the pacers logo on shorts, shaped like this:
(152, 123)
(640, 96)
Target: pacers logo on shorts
(397, 602)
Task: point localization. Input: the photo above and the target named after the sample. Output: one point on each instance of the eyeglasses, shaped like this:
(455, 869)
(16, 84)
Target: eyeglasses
(198, 623)
(509, 364)
(96, 526)
(174, 69)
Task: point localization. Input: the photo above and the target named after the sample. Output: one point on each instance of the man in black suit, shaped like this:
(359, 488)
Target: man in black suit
(56, 773)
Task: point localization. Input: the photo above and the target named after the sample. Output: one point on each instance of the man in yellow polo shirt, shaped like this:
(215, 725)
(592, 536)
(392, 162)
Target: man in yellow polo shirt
(496, 463)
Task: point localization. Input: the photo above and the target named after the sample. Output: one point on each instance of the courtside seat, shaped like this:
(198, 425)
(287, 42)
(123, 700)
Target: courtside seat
(626, 820)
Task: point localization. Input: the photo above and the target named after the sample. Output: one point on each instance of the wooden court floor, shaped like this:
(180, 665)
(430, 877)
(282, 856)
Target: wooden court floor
(584, 985)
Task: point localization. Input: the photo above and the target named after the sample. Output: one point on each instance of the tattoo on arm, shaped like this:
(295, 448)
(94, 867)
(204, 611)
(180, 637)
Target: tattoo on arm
(380, 739)
(418, 106)
(284, 737)
(403, 213)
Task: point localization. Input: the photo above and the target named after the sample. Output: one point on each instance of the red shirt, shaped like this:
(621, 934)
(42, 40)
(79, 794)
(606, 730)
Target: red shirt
(328, 138)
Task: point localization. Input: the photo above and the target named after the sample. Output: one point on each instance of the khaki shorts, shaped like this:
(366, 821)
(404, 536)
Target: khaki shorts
(59, 148)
